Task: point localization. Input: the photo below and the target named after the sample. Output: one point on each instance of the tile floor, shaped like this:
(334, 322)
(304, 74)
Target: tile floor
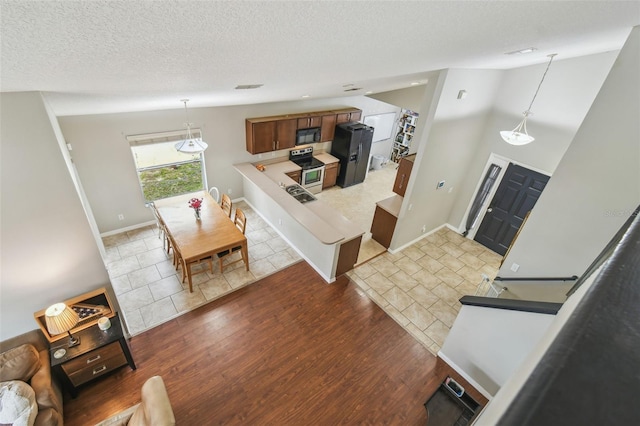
(420, 286)
(358, 204)
(150, 291)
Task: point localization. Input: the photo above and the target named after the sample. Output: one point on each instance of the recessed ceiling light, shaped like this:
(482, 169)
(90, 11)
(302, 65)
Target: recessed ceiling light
(368, 92)
(521, 51)
(305, 96)
(415, 83)
(248, 86)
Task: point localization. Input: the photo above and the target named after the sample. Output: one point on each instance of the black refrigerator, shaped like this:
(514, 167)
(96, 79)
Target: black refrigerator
(351, 145)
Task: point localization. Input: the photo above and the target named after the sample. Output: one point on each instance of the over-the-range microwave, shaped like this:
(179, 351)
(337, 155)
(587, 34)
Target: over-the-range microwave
(305, 136)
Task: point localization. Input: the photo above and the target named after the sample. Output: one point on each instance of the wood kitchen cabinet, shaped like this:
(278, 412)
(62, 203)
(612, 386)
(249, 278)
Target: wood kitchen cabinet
(297, 176)
(308, 122)
(385, 219)
(266, 136)
(330, 175)
(402, 176)
(348, 116)
(327, 127)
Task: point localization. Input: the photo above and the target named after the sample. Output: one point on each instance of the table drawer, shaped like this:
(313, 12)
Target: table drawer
(92, 358)
(94, 363)
(103, 366)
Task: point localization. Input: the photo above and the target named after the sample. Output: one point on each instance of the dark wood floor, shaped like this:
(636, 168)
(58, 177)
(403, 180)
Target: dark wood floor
(289, 349)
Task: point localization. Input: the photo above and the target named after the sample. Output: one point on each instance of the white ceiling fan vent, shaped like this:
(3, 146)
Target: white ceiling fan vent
(248, 86)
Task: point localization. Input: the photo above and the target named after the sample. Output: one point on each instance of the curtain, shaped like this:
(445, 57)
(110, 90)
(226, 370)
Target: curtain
(481, 196)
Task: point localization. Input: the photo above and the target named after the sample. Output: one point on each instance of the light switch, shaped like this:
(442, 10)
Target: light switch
(515, 267)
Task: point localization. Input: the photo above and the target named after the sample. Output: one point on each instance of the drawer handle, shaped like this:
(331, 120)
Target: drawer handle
(94, 359)
(99, 369)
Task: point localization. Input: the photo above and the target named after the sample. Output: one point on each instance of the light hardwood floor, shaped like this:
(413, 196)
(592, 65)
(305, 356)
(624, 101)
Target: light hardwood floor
(287, 350)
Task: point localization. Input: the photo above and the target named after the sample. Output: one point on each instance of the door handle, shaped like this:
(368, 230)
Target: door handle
(490, 209)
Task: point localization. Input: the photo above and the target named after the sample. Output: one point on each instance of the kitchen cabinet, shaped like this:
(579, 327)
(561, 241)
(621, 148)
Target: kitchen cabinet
(348, 116)
(266, 136)
(403, 173)
(382, 227)
(327, 127)
(297, 176)
(385, 218)
(308, 122)
(330, 175)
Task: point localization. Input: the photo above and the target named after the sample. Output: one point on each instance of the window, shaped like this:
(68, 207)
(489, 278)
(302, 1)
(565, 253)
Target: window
(162, 171)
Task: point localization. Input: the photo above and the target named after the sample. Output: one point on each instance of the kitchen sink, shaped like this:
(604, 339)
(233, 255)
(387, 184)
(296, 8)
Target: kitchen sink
(299, 193)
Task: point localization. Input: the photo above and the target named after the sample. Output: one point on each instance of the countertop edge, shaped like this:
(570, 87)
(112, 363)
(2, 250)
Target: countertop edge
(315, 222)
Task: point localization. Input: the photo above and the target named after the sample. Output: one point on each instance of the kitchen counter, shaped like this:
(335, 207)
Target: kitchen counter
(391, 205)
(326, 158)
(322, 235)
(324, 222)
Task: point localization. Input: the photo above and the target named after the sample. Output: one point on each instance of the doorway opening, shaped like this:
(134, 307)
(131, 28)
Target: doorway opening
(501, 212)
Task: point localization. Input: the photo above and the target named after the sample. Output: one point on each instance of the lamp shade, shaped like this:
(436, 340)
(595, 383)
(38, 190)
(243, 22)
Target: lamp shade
(191, 146)
(516, 138)
(60, 318)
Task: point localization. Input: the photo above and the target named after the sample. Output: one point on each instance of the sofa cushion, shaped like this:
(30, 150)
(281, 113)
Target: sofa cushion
(17, 403)
(19, 363)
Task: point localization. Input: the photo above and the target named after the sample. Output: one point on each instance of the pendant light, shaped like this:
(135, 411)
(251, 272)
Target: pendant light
(519, 135)
(190, 145)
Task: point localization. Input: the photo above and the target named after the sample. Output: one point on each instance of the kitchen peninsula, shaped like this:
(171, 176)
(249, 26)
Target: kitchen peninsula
(325, 238)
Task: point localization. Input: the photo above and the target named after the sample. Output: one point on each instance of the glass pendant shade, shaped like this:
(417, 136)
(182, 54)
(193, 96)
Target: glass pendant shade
(190, 145)
(519, 135)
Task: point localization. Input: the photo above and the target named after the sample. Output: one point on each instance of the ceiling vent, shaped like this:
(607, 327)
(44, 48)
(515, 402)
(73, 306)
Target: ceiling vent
(248, 86)
(353, 89)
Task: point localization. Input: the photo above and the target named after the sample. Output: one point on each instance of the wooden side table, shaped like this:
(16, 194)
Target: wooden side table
(98, 353)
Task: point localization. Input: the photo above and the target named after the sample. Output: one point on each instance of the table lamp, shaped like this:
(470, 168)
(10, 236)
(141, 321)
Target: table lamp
(60, 319)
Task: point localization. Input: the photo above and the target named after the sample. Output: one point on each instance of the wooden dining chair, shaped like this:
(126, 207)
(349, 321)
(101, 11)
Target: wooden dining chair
(241, 223)
(226, 204)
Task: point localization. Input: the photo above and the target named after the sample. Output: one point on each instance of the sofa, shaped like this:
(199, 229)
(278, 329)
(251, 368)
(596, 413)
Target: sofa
(153, 410)
(29, 394)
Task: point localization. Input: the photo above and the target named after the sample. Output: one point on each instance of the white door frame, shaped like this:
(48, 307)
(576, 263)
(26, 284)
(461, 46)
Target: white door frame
(503, 162)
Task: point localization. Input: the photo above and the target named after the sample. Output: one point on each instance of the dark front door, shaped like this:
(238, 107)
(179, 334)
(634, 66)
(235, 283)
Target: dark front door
(518, 192)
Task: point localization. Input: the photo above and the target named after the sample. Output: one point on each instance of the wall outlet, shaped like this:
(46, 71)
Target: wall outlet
(410, 206)
(279, 221)
(424, 228)
(120, 216)
(229, 191)
(450, 190)
(515, 267)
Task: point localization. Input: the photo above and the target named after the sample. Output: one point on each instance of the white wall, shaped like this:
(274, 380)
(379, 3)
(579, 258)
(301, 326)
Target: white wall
(448, 130)
(609, 135)
(464, 133)
(568, 91)
(488, 345)
(48, 251)
(107, 171)
(596, 185)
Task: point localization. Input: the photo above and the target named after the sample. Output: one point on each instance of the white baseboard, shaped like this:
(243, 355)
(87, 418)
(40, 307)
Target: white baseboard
(410, 243)
(466, 376)
(128, 228)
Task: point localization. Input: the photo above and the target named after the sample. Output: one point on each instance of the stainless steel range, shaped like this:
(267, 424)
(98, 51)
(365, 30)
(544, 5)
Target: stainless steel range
(312, 168)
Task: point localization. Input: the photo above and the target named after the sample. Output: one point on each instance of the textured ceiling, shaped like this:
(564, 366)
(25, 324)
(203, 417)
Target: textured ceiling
(114, 56)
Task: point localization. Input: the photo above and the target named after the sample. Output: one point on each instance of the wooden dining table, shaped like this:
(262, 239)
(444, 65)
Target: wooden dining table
(195, 239)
